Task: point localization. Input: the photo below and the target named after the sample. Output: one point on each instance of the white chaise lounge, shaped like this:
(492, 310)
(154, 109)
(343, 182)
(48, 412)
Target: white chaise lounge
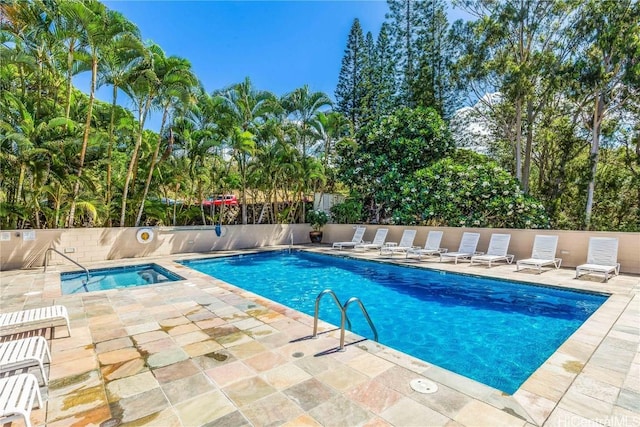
(356, 239)
(431, 246)
(543, 253)
(34, 317)
(17, 394)
(602, 257)
(497, 251)
(23, 353)
(378, 240)
(406, 243)
(467, 248)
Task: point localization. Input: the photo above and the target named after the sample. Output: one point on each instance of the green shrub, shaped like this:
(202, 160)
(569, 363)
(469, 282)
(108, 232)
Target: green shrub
(350, 211)
(467, 190)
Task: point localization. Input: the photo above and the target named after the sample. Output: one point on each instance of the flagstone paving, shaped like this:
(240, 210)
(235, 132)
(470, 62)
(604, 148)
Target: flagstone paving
(202, 352)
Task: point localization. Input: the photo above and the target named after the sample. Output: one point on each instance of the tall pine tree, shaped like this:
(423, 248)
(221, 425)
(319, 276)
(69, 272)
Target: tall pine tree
(432, 86)
(369, 81)
(349, 92)
(421, 41)
(403, 19)
(386, 87)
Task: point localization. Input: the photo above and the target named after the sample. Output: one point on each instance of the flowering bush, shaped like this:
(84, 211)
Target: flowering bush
(389, 151)
(467, 190)
(317, 219)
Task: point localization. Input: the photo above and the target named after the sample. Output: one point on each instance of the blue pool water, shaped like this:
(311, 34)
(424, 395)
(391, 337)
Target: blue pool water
(494, 331)
(113, 278)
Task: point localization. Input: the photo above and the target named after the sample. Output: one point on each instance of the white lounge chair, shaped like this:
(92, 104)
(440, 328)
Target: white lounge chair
(467, 248)
(357, 238)
(431, 247)
(497, 251)
(543, 253)
(23, 353)
(378, 240)
(602, 257)
(17, 394)
(406, 243)
(35, 316)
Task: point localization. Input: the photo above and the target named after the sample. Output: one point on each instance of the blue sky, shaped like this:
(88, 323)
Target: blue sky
(280, 45)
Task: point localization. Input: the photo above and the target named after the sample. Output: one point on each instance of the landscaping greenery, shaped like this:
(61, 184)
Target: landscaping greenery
(387, 152)
(467, 190)
(317, 219)
(550, 90)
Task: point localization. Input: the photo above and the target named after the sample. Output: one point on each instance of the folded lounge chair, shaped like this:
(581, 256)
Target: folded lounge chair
(378, 240)
(498, 247)
(34, 317)
(543, 253)
(602, 257)
(431, 247)
(17, 394)
(24, 353)
(406, 243)
(467, 248)
(357, 238)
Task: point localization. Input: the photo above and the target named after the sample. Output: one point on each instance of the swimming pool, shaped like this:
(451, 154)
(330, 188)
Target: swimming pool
(116, 277)
(494, 331)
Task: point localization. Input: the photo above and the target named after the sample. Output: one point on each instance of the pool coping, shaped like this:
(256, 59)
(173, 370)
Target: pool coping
(538, 399)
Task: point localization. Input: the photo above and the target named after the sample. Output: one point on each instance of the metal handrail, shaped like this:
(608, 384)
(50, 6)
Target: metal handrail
(47, 256)
(343, 315)
(364, 312)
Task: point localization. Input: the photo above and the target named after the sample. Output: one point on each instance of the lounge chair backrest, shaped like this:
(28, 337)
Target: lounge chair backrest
(359, 234)
(544, 247)
(407, 238)
(433, 240)
(603, 251)
(381, 236)
(499, 244)
(469, 242)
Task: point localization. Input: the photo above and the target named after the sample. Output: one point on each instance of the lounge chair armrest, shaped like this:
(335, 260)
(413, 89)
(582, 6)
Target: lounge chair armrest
(390, 244)
(443, 250)
(478, 253)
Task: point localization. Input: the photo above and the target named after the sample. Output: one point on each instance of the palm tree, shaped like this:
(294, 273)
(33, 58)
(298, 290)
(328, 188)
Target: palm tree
(329, 128)
(303, 107)
(176, 84)
(199, 136)
(100, 27)
(275, 162)
(142, 87)
(118, 61)
(246, 110)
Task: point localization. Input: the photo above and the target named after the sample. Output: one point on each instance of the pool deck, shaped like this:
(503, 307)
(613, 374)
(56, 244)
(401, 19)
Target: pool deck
(203, 352)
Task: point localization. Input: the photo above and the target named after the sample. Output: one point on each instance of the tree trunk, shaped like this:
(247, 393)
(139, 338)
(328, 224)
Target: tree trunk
(85, 141)
(152, 167)
(110, 153)
(518, 145)
(595, 145)
(67, 111)
(527, 150)
(175, 205)
(134, 155)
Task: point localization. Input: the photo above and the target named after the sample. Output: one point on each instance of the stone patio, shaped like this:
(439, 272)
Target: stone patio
(203, 352)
